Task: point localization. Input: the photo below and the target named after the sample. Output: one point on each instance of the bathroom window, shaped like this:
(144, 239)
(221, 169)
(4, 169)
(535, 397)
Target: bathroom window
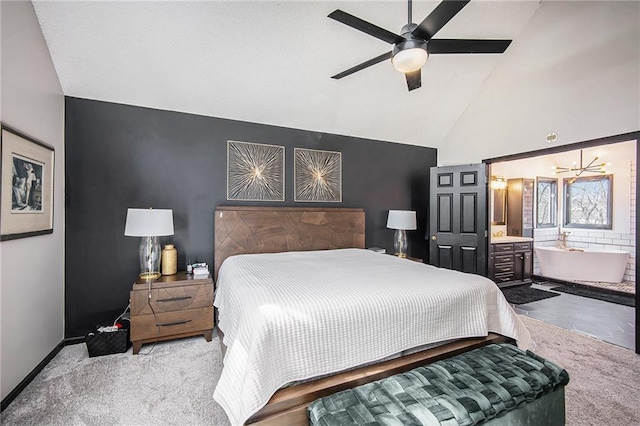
(588, 202)
(546, 202)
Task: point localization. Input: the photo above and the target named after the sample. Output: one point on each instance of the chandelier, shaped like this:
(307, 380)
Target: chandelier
(592, 167)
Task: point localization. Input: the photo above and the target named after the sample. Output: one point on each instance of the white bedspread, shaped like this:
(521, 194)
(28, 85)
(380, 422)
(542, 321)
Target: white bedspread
(292, 316)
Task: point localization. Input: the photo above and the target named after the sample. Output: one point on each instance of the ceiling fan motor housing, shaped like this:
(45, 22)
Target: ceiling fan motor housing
(410, 42)
(407, 30)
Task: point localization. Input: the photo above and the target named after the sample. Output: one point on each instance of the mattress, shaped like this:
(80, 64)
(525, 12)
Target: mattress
(297, 315)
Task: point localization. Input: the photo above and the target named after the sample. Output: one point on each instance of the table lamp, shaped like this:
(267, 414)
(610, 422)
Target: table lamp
(149, 224)
(401, 221)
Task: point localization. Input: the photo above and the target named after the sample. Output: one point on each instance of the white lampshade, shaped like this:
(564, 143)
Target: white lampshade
(149, 222)
(409, 60)
(401, 219)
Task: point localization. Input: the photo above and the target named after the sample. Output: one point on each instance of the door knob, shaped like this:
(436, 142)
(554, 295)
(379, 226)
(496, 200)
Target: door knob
(433, 237)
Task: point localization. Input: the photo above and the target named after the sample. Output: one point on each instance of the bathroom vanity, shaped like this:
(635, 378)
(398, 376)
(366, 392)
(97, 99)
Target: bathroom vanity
(510, 260)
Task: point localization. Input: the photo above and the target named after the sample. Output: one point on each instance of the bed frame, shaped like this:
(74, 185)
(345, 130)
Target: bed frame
(243, 230)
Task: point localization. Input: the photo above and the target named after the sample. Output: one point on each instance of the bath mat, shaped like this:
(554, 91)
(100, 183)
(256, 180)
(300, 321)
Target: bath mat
(598, 294)
(519, 295)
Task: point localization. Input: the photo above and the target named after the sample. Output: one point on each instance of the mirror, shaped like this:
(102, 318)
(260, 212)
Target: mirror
(546, 202)
(498, 206)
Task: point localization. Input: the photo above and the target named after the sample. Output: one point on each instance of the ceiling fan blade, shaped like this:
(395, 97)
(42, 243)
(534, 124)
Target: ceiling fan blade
(414, 79)
(449, 45)
(438, 18)
(365, 27)
(363, 65)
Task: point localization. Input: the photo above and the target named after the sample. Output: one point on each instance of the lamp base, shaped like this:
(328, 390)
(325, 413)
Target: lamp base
(149, 258)
(400, 243)
(150, 275)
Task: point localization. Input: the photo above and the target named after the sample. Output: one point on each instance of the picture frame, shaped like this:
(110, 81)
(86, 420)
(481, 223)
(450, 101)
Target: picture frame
(26, 185)
(317, 176)
(255, 171)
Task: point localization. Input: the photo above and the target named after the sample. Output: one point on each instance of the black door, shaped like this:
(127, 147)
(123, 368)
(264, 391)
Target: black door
(458, 218)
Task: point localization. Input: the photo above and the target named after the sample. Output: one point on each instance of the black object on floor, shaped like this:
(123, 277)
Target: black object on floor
(519, 295)
(598, 294)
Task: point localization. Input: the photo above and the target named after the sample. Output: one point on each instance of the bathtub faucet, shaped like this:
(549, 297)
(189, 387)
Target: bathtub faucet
(563, 239)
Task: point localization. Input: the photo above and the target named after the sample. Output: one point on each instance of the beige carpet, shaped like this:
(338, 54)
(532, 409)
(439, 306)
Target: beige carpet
(174, 384)
(605, 378)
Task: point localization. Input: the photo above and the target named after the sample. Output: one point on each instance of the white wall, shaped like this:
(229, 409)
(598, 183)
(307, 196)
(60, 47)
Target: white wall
(577, 74)
(31, 269)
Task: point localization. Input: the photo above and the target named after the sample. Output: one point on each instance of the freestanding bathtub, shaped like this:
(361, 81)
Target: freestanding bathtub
(582, 264)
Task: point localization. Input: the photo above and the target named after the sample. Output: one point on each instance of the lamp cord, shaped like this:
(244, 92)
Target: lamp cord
(155, 316)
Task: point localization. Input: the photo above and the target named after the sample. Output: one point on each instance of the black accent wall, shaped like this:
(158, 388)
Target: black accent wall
(119, 156)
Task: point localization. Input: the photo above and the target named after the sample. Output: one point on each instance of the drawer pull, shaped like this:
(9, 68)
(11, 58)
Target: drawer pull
(166, 324)
(174, 299)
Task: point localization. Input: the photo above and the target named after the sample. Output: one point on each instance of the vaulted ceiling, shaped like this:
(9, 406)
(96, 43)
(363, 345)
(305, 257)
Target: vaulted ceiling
(270, 62)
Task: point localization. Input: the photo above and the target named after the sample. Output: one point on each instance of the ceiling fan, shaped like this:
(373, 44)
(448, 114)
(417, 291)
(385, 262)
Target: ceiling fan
(412, 48)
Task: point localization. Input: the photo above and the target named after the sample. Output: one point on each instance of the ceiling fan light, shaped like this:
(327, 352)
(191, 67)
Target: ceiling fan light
(410, 55)
(409, 60)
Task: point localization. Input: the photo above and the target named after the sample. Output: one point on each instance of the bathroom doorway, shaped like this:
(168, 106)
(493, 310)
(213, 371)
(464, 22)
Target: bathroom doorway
(577, 200)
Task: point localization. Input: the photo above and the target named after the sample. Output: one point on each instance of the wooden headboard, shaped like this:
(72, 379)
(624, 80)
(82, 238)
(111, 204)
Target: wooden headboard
(243, 230)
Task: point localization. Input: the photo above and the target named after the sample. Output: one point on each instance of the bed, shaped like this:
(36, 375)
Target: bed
(290, 311)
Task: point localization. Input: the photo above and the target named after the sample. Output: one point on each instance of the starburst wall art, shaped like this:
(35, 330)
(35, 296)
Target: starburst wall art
(317, 175)
(255, 172)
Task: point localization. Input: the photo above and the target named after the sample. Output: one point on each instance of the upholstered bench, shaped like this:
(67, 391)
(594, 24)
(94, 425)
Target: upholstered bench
(495, 385)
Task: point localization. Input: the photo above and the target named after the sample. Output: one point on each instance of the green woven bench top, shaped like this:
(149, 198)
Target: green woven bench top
(467, 389)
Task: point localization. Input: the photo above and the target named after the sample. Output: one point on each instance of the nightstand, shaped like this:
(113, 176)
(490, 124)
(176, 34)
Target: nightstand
(173, 306)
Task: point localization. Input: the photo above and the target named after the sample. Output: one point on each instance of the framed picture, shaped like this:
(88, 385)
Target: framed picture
(317, 176)
(26, 196)
(255, 172)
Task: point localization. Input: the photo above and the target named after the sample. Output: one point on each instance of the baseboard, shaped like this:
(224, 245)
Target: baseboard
(23, 384)
(74, 340)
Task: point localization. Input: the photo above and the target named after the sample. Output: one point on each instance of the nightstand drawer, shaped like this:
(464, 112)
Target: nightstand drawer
(171, 299)
(170, 323)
